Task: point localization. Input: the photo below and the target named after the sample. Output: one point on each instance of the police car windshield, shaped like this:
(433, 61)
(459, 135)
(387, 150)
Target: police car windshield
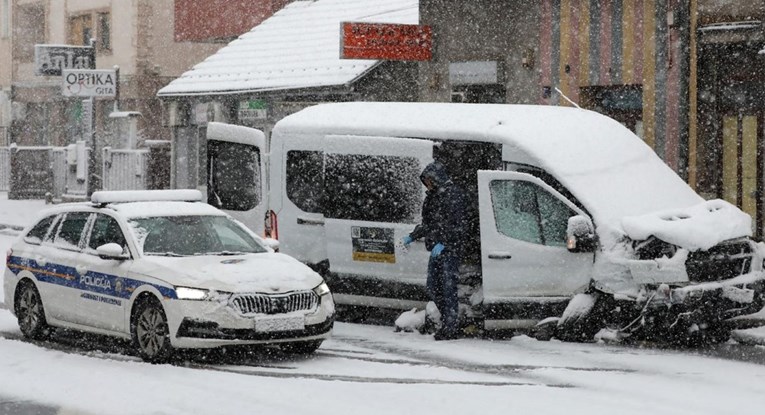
(193, 235)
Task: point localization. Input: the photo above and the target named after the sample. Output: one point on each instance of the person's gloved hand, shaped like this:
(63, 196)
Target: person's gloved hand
(407, 240)
(436, 251)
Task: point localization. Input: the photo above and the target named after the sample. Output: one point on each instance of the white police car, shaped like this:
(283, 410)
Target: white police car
(166, 272)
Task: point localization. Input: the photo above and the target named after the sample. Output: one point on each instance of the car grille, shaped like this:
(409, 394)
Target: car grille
(721, 262)
(274, 303)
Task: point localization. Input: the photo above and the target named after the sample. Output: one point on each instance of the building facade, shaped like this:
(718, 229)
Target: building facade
(152, 42)
(684, 75)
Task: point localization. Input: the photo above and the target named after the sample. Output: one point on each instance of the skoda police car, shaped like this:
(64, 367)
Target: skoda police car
(165, 271)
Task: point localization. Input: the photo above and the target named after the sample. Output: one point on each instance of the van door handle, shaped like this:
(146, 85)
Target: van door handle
(500, 255)
(304, 221)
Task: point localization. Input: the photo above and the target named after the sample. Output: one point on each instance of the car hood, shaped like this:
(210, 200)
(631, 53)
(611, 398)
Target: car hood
(698, 227)
(263, 272)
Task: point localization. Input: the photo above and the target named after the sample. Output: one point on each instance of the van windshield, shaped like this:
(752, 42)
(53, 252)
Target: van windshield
(192, 235)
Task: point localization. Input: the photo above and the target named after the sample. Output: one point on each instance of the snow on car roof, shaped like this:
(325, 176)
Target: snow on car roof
(610, 170)
(153, 209)
(297, 47)
(185, 195)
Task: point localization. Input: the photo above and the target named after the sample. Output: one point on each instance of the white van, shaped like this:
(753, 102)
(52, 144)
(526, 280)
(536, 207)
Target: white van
(566, 204)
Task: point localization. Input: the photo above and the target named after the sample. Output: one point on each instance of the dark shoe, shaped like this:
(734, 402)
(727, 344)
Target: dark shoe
(446, 335)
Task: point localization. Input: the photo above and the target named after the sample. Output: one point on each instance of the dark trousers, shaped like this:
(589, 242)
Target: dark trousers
(443, 274)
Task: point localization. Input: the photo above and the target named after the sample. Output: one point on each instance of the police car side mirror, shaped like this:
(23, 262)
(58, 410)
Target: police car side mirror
(111, 251)
(580, 234)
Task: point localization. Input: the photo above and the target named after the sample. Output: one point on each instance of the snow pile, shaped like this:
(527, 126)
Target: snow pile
(411, 320)
(578, 307)
(698, 227)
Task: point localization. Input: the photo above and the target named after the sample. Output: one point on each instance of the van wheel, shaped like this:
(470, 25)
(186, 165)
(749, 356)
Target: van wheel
(582, 319)
(149, 330)
(301, 347)
(30, 312)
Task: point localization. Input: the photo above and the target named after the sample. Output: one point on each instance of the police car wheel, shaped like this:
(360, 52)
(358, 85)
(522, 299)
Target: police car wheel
(30, 312)
(151, 334)
(301, 347)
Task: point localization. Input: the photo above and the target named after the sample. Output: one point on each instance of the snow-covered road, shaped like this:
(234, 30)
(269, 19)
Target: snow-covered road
(372, 370)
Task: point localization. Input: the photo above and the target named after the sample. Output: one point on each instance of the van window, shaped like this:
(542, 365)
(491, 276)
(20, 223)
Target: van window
(234, 180)
(305, 179)
(372, 188)
(526, 212)
(38, 232)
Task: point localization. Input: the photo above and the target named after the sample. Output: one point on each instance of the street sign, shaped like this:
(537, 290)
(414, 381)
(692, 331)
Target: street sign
(89, 83)
(254, 109)
(51, 60)
(400, 42)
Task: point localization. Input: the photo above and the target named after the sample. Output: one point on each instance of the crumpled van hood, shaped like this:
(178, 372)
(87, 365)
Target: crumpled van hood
(698, 227)
(263, 272)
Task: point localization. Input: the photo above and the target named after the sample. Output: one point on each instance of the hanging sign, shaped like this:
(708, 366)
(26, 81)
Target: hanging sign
(89, 83)
(386, 41)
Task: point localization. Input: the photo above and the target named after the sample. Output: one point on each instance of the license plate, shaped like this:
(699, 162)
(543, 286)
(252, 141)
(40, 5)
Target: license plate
(280, 323)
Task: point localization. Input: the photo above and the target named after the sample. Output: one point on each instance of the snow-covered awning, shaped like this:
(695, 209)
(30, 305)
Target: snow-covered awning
(297, 47)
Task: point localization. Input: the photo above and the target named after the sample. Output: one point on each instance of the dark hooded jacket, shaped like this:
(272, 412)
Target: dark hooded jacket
(443, 212)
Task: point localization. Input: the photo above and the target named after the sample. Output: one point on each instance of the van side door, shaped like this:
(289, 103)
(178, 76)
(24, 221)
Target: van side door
(236, 173)
(374, 198)
(526, 265)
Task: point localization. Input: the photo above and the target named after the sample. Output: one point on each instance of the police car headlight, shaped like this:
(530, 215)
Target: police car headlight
(188, 293)
(321, 289)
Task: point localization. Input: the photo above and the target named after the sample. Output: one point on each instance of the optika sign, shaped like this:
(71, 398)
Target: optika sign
(89, 83)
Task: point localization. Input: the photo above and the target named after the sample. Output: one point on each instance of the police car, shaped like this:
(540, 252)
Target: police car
(165, 271)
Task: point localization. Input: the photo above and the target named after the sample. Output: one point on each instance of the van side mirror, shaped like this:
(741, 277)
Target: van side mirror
(271, 243)
(580, 234)
(111, 251)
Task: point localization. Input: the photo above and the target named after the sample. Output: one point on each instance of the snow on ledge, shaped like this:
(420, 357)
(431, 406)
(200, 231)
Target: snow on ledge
(698, 227)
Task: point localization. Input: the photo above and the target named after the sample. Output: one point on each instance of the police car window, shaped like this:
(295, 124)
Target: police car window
(372, 188)
(305, 179)
(70, 231)
(106, 230)
(38, 232)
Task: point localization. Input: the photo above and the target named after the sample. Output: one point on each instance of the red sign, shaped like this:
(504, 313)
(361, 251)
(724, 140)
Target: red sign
(397, 42)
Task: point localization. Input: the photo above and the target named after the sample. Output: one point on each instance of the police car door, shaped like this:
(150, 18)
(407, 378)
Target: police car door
(103, 305)
(373, 198)
(236, 173)
(523, 243)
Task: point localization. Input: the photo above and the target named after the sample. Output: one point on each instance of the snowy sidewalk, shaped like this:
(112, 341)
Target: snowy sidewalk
(16, 214)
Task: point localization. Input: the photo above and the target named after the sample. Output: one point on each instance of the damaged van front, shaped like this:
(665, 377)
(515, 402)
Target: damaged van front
(687, 272)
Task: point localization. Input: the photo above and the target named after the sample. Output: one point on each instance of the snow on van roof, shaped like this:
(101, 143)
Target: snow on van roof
(297, 47)
(611, 171)
(235, 134)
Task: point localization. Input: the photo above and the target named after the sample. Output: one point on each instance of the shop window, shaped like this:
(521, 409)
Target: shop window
(88, 26)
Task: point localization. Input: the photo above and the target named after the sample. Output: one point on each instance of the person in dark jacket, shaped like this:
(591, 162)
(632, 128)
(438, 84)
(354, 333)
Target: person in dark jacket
(443, 228)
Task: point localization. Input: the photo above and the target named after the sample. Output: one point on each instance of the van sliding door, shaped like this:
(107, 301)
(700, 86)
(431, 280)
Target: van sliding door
(373, 198)
(236, 173)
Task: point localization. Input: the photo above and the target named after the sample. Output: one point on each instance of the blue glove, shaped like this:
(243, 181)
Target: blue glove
(407, 240)
(436, 251)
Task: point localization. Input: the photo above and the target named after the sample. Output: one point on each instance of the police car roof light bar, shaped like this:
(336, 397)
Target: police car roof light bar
(125, 196)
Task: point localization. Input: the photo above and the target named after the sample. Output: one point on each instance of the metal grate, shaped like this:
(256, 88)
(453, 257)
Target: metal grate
(721, 262)
(274, 303)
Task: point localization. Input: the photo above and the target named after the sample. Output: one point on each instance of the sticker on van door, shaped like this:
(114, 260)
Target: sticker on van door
(373, 244)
